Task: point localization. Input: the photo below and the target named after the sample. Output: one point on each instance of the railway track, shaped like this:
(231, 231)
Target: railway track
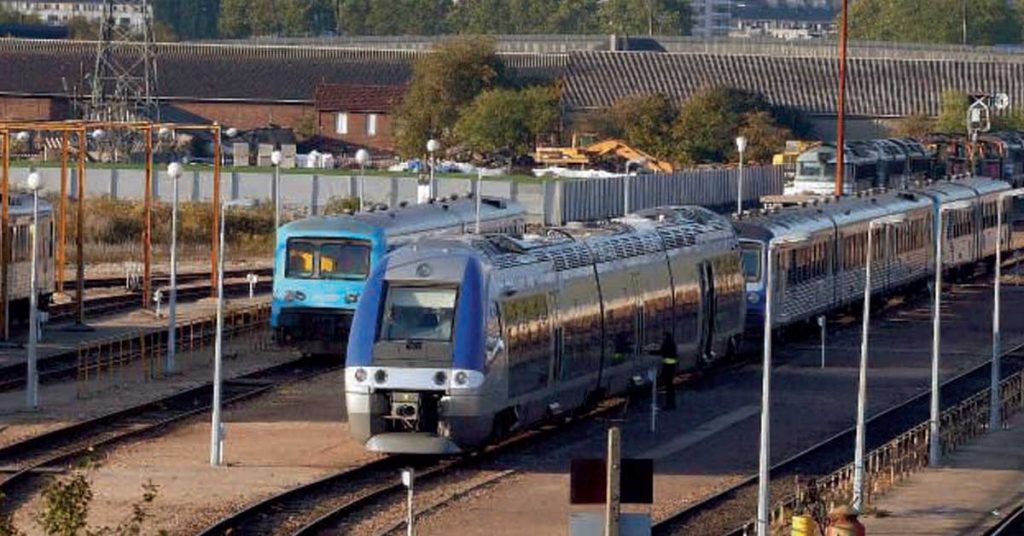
(105, 305)
(163, 279)
(26, 460)
(64, 365)
(729, 511)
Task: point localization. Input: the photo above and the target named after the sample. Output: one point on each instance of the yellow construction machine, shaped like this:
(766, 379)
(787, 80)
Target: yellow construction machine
(590, 154)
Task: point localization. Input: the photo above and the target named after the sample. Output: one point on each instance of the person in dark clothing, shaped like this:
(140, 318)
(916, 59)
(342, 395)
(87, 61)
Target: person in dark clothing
(669, 362)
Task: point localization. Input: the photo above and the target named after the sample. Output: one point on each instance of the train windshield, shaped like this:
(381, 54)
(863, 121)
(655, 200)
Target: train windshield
(418, 313)
(328, 259)
(809, 171)
(751, 252)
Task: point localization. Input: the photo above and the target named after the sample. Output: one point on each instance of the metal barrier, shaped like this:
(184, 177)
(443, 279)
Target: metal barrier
(592, 199)
(139, 356)
(895, 461)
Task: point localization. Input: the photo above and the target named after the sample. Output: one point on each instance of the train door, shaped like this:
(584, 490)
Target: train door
(639, 320)
(708, 312)
(558, 340)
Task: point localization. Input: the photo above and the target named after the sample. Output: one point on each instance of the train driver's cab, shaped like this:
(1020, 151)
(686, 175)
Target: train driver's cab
(752, 257)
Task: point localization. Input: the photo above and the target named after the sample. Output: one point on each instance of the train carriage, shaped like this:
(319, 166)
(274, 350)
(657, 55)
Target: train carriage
(456, 342)
(824, 268)
(320, 263)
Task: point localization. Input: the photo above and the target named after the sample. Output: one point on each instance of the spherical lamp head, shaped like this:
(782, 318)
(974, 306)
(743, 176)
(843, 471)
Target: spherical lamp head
(34, 181)
(174, 170)
(741, 143)
(98, 134)
(433, 145)
(164, 133)
(363, 157)
(23, 136)
(275, 158)
(231, 132)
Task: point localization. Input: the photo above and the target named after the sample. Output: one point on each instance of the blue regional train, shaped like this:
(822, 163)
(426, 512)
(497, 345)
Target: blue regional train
(320, 263)
(457, 342)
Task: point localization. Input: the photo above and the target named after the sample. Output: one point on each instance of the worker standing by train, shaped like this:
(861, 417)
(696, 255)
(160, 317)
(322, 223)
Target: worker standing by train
(669, 361)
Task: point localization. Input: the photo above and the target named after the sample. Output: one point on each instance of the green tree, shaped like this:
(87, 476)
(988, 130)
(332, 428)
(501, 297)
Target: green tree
(765, 137)
(660, 17)
(189, 19)
(17, 17)
(706, 128)
(645, 122)
(352, 15)
(442, 84)
(234, 18)
(524, 16)
(935, 21)
(507, 122)
(952, 112)
(914, 126)
(405, 17)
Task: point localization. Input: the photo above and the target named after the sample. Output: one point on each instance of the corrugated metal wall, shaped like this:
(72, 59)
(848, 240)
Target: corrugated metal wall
(596, 199)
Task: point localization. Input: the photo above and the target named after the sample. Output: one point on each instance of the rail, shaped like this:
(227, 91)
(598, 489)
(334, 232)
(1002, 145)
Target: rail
(895, 461)
(138, 356)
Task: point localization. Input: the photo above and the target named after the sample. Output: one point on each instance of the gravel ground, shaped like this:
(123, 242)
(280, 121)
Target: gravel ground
(290, 436)
(715, 431)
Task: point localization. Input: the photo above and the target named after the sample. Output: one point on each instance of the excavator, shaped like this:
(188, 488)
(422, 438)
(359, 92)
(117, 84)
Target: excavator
(595, 152)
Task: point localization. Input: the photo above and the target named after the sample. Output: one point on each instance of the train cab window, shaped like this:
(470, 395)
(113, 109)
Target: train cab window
(809, 171)
(344, 261)
(418, 313)
(751, 256)
(300, 259)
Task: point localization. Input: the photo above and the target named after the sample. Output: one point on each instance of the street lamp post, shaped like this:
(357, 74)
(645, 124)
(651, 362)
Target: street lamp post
(763, 493)
(741, 145)
(363, 158)
(32, 378)
(934, 440)
(275, 159)
(862, 394)
(216, 428)
(174, 172)
(432, 147)
(995, 396)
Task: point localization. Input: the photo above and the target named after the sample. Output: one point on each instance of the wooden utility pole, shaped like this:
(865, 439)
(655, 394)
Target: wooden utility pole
(612, 493)
(841, 105)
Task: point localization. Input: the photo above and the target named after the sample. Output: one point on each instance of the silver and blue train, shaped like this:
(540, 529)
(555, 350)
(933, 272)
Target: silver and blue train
(458, 342)
(321, 263)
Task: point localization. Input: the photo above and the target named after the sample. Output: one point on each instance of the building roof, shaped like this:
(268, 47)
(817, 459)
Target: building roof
(877, 87)
(242, 72)
(358, 98)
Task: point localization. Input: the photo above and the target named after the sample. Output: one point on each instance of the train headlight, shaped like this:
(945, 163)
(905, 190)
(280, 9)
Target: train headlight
(461, 378)
(753, 297)
(352, 297)
(380, 376)
(440, 378)
(294, 295)
(360, 375)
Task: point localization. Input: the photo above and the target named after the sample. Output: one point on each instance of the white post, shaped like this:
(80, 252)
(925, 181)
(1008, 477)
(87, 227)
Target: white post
(362, 187)
(934, 443)
(479, 203)
(216, 432)
(32, 389)
(823, 324)
(172, 301)
(654, 399)
(996, 395)
(763, 493)
(408, 476)
(858, 449)
(741, 145)
(277, 196)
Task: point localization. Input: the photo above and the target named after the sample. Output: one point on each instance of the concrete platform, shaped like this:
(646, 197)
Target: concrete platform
(970, 493)
(56, 340)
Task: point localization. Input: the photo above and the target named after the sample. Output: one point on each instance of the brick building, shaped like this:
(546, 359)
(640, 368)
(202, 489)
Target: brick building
(358, 115)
